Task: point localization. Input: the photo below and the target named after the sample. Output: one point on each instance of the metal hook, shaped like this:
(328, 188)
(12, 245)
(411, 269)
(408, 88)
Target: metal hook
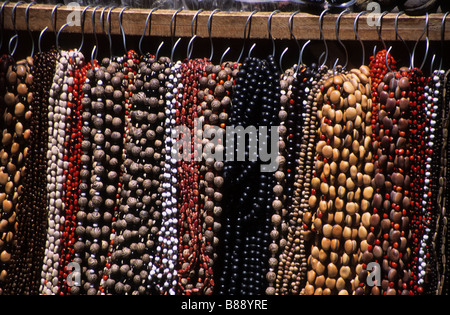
(417, 43)
(27, 21)
(54, 17)
(281, 60)
(122, 31)
(337, 28)
(157, 51)
(443, 39)
(398, 35)
(2, 20)
(209, 33)
(108, 30)
(102, 19)
(40, 38)
(190, 47)
(57, 37)
(173, 28)
(245, 34)
(355, 30)
(173, 50)
(303, 50)
(145, 29)
(251, 50)
(386, 59)
(291, 18)
(335, 65)
(95, 49)
(269, 29)
(433, 59)
(15, 38)
(323, 37)
(223, 55)
(83, 19)
(379, 27)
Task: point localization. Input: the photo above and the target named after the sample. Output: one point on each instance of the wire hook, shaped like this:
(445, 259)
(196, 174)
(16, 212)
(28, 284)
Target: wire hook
(83, 19)
(325, 54)
(224, 54)
(108, 30)
(443, 39)
(379, 27)
(15, 38)
(57, 37)
(398, 35)
(269, 29)
(95, 48)
(209, 33)
(417, 43)
(337, 28)
(355, 30)
(145, 29)
(245, 33)
(190, 46)
(281, 60)
(27, 22)
(2, 22)
(122, 31)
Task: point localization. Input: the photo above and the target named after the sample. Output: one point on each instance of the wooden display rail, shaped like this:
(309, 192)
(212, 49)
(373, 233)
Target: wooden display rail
(231, 24)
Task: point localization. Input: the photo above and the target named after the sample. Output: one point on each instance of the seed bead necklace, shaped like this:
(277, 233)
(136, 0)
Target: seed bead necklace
(16, 146)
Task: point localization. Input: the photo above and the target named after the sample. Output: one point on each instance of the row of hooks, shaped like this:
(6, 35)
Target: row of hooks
(107, 10)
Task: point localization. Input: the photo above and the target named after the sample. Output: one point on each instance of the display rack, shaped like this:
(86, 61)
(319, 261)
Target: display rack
(231, 24)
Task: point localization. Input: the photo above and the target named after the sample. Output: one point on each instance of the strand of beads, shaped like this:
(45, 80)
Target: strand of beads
(85, 172)
(144, 146)
(378, 71)
(108, 151)
(164, 275)
(33, 204)
(77, 75)
(8, 79)
(279, 204)
(392, 200)
(292, 271)
(248, 213)
(434, 114)
(56, 173)
(439, 238)
(216, 90)
(119, 276)
(15, 149)
(343, 154)
(190, 203)
(445, 232)
(419, 148)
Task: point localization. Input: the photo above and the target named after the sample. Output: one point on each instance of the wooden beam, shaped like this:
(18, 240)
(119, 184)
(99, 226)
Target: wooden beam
(231, 24)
